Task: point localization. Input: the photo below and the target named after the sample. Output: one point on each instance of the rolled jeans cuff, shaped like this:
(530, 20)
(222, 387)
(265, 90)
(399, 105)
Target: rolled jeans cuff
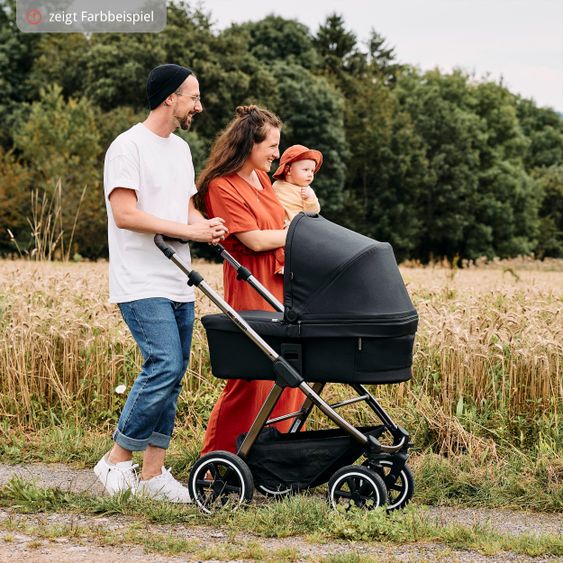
(133, 445)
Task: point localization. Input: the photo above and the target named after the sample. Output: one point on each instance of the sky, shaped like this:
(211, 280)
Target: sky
(520, 41)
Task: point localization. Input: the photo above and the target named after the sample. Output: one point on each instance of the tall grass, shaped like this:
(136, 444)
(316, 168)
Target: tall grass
(487, 366)
(48, 236)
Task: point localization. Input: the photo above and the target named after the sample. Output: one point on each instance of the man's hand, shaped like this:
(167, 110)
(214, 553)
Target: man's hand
(126, 215)
(210, 230)
(307, 192)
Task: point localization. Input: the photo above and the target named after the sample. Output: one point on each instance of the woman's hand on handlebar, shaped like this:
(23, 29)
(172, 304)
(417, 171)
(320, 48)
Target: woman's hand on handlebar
(210, 230)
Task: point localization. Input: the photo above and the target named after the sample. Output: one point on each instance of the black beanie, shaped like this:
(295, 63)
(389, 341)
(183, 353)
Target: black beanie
(163, 81)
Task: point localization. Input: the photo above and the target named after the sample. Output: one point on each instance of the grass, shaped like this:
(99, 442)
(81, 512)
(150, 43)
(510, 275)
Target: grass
(296, 516)
(152, 542)
(515, 481)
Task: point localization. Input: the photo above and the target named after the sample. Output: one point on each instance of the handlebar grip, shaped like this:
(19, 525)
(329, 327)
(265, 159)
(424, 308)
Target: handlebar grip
(160, 242)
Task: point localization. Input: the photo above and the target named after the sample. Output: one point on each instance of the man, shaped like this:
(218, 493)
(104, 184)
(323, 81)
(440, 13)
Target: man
(149, 184)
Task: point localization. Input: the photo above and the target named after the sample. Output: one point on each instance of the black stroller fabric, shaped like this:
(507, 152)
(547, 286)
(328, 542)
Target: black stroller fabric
(302, 459)
(320, 358)
(334, 273)
(347, 314)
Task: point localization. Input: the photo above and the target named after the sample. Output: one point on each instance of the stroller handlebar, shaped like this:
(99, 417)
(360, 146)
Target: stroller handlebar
(242, 272)
(161, 242)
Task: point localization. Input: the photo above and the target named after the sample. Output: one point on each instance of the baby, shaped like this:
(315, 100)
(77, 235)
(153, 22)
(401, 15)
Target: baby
(298, 166)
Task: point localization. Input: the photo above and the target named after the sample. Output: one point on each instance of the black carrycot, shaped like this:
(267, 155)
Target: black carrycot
(347, 315)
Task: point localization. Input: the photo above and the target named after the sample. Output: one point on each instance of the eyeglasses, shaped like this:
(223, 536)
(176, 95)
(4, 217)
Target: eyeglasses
(195, 99)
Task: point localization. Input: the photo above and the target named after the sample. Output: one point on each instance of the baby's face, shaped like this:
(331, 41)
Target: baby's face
(301, 173)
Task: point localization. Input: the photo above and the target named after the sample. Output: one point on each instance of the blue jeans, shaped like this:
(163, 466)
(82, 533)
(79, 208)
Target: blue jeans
(163, 331)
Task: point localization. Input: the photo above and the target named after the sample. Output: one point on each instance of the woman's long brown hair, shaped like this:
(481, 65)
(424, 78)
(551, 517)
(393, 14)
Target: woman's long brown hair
(233, 145)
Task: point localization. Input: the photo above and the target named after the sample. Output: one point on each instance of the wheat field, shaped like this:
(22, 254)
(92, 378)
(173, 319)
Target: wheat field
(489, 345)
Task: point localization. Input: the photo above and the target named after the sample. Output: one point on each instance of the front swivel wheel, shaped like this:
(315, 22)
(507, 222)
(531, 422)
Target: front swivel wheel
(355, 485)
(399, 490)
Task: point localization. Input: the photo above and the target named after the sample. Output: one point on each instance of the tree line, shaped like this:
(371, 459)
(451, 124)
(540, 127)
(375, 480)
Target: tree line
(442, 165)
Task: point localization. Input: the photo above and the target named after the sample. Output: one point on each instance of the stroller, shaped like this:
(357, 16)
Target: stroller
(346, 318)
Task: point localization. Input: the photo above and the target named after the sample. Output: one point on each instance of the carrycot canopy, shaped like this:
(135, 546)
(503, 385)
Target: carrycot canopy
(333, 273)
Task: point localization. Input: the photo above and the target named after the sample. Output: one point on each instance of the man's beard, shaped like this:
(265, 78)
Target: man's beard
(186, 123)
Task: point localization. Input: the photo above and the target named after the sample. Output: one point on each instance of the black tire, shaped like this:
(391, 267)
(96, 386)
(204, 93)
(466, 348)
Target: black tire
(220, 480)
(400, 492)
(279, 492)
(356, 485)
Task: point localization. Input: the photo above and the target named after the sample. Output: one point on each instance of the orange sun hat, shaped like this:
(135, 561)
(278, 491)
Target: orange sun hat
(295, 153)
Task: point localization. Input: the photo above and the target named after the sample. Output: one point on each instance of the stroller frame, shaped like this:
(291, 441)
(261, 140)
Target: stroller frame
(378, 455)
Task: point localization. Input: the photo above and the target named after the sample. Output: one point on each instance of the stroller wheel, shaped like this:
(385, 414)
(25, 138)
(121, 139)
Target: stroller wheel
(399, 492)
(220, 480)
(356, 485)
(279, 492)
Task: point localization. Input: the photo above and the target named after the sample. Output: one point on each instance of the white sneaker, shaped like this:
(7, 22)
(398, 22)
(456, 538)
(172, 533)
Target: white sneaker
(164, 487)
(117, 477)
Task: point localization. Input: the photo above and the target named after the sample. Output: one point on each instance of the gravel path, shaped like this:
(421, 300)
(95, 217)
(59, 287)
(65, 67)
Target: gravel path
(27, 547)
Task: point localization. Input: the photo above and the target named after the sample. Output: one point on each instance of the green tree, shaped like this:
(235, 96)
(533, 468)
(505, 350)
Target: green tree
(61, 58)
(381, 58)
(59, 140)
(387, 170)
(550, 235)
(543, 127)
(451, 134)
(14, 200)
(231, 78)
(508, 198)
(18, 52)
(338, 48)
(479, 199)
(278, 39)
(116, 68)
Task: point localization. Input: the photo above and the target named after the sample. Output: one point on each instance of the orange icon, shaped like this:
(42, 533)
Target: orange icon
(33, 17)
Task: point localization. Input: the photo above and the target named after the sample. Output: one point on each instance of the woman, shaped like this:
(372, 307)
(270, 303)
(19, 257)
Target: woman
(234, 185)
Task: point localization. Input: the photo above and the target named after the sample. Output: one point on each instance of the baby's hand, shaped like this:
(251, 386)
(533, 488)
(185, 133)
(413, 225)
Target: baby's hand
(307, 192)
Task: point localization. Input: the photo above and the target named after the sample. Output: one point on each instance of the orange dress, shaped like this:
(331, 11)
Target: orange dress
(245, 208)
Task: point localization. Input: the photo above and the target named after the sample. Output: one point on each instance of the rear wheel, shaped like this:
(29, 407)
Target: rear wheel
(220, 480)
(356, 485)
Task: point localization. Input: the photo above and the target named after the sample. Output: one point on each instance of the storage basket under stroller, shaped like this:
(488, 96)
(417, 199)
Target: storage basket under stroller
(298, 461)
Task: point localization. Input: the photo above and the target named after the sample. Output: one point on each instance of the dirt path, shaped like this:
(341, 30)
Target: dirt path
(18, 542)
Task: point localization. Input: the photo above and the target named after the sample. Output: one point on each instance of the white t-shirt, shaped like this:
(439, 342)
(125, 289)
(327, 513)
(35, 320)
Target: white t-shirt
(161, 172)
